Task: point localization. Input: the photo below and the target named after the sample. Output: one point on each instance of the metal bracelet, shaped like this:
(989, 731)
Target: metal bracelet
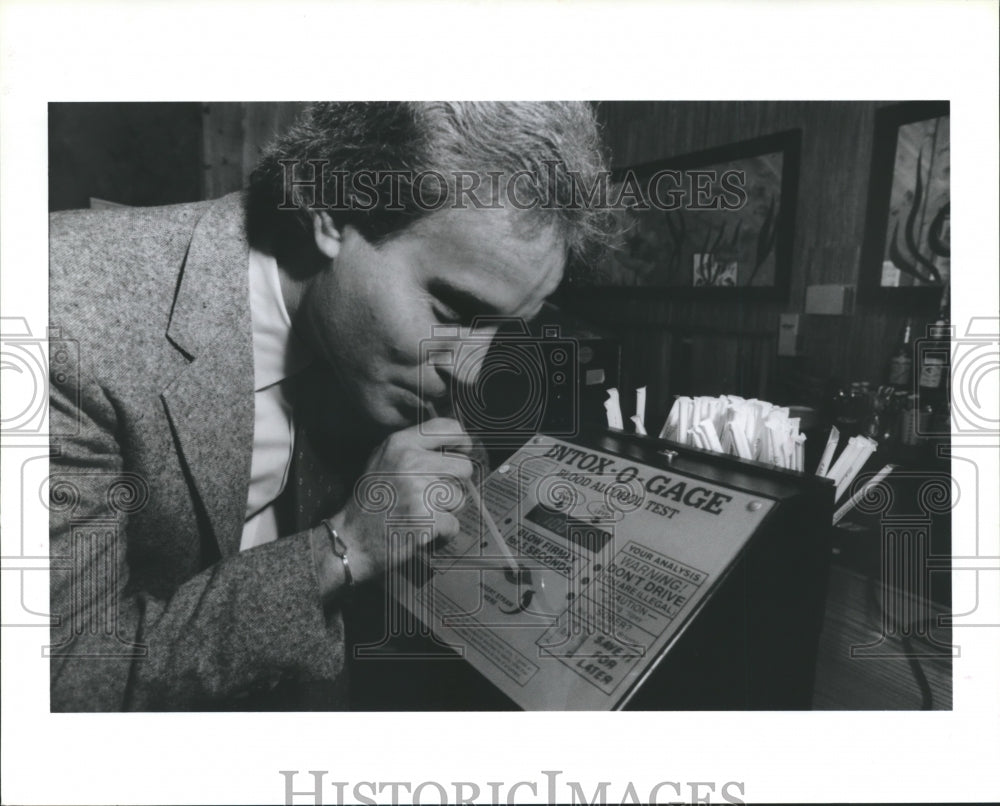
(339, 551)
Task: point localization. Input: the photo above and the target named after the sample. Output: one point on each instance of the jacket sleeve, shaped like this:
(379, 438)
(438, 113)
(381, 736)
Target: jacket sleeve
(249, 625)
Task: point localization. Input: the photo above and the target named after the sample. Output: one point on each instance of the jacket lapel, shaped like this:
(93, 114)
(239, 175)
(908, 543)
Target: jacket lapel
(210, 404)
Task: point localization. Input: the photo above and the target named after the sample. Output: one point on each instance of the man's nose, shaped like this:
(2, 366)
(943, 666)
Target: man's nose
(462, 360)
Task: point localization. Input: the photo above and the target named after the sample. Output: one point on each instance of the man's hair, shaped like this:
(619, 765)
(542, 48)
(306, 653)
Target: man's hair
(357, 147)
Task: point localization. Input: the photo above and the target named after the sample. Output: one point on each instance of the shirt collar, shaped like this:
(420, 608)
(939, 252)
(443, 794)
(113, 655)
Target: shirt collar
(277, 352)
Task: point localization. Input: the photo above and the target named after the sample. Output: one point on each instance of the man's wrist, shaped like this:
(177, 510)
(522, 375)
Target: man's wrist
(330, 569)
(339, 549)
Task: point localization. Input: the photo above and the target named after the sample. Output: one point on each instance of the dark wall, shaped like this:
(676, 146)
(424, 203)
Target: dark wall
(156, 153)
(134, 154)
(711, 346)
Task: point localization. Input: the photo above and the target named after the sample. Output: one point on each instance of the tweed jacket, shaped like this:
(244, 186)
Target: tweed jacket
(154, 606)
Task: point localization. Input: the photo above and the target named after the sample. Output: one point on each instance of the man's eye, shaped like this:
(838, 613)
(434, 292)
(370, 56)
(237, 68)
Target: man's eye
(447, 315)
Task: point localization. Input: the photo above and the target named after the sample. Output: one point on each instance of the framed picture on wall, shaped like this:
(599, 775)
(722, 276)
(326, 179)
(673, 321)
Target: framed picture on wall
(715, 222)
(907, 243)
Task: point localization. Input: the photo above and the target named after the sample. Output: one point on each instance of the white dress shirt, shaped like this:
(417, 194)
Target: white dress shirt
(277, 355)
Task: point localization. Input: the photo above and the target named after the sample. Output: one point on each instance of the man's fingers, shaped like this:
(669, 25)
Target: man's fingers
(440, 492)
(446, 526)
(442, 432)
(457, 466)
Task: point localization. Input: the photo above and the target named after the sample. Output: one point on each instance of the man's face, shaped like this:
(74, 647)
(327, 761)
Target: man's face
(367, 314)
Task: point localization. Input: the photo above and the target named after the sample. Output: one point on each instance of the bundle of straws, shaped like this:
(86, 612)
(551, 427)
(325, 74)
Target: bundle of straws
(750, 429)
(755, 429)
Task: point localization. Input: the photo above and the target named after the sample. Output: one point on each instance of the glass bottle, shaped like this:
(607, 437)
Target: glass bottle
(934, 357)
(901, 361)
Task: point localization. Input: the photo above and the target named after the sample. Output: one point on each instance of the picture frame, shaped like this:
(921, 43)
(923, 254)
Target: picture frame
(683, 246)
(906, 248)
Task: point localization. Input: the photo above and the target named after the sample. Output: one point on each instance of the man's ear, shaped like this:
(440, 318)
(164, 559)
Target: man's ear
(326, 234)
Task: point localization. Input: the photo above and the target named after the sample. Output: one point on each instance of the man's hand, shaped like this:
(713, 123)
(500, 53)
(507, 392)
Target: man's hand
(409, 461)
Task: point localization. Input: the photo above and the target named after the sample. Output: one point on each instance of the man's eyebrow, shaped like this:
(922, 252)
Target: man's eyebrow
(462, 300)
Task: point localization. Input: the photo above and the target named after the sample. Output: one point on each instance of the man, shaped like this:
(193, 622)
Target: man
(242, 362)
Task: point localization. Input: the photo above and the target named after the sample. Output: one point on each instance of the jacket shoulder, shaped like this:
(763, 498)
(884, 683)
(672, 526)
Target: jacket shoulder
(103, 235)
(113, 276)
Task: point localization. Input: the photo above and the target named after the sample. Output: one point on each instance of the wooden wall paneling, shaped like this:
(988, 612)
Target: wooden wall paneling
(259, 128)
(830, 220)
(234, 136)
(222, 151)
(263, 122)
(715, 365)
